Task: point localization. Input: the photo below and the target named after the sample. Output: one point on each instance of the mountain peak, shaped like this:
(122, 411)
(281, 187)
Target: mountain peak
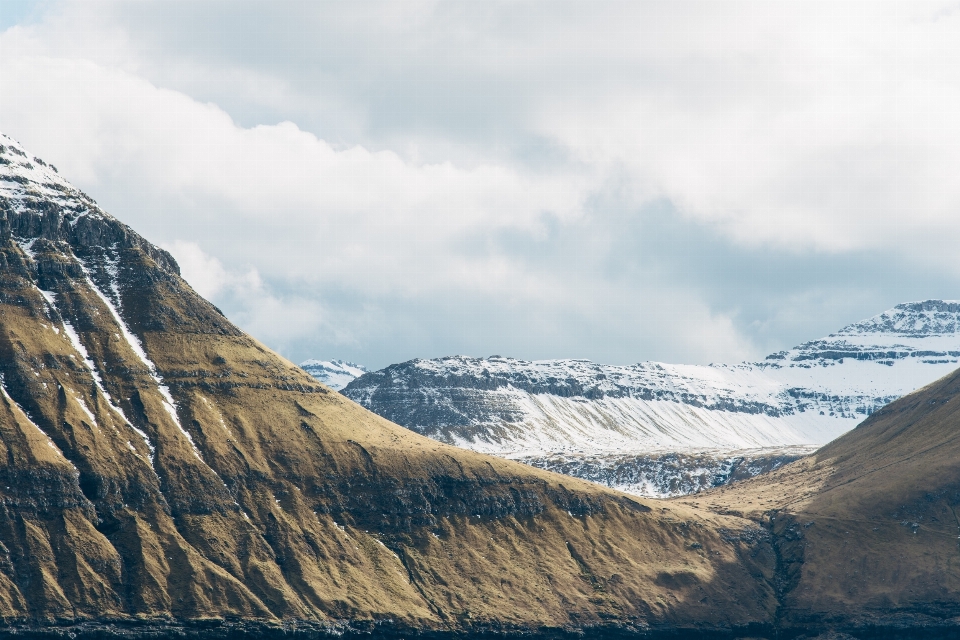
(36, 203)
(160, 469)
(25, 178)
(911, 319)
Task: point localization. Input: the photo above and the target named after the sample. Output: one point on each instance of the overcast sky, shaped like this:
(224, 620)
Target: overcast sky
(618, 181)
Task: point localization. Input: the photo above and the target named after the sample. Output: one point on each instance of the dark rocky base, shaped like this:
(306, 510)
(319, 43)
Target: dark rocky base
(667, 474)
(386, 630)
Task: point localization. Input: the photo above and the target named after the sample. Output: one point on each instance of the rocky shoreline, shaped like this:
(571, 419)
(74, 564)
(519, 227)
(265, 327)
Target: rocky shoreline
(945, 629)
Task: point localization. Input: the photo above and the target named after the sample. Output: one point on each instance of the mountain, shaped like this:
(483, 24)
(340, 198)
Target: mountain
(336, 374)
(866, 530)
(164, 474)
(625, 425)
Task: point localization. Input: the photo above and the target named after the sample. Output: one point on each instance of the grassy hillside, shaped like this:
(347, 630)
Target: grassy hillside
(264, 496)
(866, 530)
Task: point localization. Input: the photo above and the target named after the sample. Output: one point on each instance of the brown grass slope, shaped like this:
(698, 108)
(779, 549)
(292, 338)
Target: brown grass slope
(277, 499)
(866, 530)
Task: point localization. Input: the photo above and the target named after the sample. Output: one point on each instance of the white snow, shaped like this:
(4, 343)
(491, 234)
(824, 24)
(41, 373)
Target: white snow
(87, 412)
(806, 396)
(135, 345)
(24, 178)
(77, 345)
(27, 247)
(336, 374)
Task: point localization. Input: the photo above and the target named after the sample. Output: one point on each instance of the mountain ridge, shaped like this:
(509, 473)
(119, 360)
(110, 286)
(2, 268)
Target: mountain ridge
(868, 525)
(160, 470)
(584, 419)
(162, 474)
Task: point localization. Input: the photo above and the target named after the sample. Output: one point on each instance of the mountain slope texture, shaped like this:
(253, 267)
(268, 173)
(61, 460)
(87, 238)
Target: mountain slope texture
(164, 475)
(159, 467)
(866, 530)
(660, 429)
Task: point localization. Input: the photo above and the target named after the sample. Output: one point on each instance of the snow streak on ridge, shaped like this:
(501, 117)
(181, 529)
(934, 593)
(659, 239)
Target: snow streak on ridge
(137, 347)
(77, 344)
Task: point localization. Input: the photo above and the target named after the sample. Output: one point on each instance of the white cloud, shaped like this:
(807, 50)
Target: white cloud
(810, 126)
(824, 126)
(467, 146)
(181, 162)
(207, 275)
(277, 320)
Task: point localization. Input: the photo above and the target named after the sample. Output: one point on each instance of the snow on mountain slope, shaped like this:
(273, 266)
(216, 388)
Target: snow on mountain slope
(336, 374)
(26, 181)
(803, 397)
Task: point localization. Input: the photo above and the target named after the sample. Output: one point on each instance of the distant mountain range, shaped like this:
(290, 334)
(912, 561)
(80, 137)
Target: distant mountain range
(336, 374)
(624, 425)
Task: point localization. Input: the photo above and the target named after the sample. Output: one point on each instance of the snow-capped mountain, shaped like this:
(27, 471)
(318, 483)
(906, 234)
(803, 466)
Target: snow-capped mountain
(536, 411)
(160, 469)
(336, 374)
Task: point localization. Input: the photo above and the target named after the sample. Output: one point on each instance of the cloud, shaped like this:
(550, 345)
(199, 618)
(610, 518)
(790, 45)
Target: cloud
(207, 275)
(278, 320)
(609, 180)
(811, 127)
(173, 163)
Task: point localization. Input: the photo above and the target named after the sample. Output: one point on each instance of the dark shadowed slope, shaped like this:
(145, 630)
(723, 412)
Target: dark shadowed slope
(867, 530)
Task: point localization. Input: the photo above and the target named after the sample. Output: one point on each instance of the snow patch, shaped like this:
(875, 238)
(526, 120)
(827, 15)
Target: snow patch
(77, 345)
(336, 374)
(137, 347)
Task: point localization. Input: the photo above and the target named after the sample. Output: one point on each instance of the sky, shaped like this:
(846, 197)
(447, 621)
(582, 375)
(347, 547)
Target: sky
(686, 182)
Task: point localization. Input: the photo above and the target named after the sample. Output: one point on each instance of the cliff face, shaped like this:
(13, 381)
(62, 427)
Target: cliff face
(158, 465)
